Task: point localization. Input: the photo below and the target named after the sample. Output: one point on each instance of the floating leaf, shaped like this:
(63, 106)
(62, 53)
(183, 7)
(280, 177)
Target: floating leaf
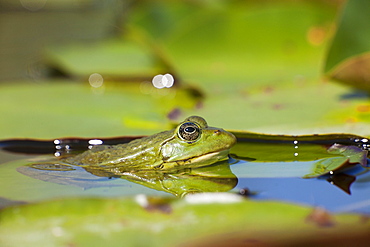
(87, 222)
(295, 156)
(57, 108)
(113, 59)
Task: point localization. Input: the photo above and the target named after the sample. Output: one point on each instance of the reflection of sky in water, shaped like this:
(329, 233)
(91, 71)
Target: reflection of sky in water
(313, 192)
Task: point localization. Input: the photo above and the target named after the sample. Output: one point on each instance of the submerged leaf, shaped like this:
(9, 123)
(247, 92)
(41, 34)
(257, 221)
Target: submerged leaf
(328, 165)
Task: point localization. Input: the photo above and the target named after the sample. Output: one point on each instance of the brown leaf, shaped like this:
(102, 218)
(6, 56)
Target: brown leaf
(354, 71)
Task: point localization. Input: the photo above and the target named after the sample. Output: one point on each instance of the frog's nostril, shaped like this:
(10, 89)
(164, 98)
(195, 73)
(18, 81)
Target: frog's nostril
(217, 132)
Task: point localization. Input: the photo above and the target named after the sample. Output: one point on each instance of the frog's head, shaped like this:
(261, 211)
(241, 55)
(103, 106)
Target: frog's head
(195, 144)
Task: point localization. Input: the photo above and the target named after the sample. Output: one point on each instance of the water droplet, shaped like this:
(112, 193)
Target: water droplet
(95, 142)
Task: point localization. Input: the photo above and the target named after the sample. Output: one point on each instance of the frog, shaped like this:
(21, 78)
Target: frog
(191, 144)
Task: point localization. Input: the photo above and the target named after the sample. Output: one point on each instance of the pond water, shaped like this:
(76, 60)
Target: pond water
(325, 171)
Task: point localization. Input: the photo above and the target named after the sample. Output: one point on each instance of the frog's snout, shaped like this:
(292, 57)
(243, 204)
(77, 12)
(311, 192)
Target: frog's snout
(228, 138)
(233, 139)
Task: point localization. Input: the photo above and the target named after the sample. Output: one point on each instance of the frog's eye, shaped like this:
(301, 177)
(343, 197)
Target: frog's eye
(189, 131)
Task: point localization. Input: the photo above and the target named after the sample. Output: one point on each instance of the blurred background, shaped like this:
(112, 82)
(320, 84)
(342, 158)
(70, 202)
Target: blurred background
(85, 67)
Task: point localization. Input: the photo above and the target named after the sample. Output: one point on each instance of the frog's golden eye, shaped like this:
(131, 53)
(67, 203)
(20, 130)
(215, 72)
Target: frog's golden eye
(189, 131)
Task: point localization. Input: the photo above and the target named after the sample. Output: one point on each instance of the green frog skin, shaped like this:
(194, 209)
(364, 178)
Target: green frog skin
(191, 144)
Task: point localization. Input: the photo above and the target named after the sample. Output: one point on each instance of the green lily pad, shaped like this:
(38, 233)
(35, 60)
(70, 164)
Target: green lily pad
(87, 222)
(125, 109)
(64, 108)
(112, 58)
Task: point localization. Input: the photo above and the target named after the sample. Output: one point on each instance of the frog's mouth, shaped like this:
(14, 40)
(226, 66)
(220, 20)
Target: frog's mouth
(207, 159)
(197, 161)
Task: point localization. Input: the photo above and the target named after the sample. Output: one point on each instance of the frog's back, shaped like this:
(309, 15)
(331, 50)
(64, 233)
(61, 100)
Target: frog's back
(139, 153)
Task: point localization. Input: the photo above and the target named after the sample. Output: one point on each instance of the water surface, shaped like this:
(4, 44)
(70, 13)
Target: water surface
(268, 170)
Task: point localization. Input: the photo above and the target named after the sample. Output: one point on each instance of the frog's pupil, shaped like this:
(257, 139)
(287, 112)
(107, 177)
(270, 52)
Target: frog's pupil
(189, 129)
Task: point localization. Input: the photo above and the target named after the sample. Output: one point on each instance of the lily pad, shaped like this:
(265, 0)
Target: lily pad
(115, 59)
(295, 156)
(65, 108)
(86, 222)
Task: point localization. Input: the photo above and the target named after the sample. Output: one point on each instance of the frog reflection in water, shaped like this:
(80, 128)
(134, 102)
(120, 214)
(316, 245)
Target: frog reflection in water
(192, 144)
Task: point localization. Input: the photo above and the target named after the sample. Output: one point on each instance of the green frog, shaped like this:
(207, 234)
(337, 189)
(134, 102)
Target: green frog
(191, 144)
